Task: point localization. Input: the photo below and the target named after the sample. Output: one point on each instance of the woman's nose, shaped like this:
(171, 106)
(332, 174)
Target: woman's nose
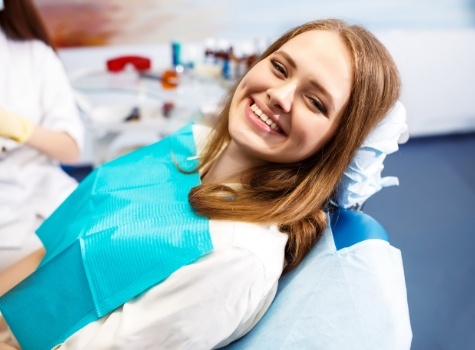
(282, 96)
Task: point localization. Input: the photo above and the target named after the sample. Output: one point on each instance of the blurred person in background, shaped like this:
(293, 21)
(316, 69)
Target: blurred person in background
(40, 127)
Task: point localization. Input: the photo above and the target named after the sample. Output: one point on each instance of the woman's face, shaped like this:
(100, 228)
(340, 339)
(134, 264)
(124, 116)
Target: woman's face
(289, 104)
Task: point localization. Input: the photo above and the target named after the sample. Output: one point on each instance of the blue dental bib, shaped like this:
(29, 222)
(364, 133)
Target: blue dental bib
(127, 227)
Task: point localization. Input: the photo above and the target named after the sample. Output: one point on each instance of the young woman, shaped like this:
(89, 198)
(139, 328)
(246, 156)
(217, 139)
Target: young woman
(258, 201)
(39, 127)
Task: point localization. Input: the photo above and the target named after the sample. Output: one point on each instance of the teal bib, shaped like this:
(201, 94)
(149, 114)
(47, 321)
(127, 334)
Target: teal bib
(127, 227)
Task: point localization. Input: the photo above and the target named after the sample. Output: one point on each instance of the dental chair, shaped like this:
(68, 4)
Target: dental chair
(349, 292)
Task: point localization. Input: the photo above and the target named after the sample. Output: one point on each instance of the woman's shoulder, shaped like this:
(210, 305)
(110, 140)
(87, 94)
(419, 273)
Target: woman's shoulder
(34, 46)
(34, 56)
(23, 50)
(42, 54)
(265, 242)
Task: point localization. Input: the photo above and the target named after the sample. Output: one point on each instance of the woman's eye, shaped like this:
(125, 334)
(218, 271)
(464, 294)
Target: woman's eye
(318, 105)
(279, 68)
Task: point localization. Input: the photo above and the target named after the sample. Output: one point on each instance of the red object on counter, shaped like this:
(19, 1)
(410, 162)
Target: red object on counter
(118, 64)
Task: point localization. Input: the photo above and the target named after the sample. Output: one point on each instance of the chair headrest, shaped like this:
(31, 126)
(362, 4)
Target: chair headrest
(363, 178)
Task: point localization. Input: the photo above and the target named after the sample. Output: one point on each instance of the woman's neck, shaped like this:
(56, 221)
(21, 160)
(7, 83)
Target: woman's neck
(229, 165)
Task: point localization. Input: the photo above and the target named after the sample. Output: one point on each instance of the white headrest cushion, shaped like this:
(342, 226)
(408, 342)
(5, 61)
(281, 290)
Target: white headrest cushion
(363, 178)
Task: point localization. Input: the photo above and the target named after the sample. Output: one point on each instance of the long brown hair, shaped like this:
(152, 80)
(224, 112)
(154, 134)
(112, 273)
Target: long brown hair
(296, 196)
(20, 21)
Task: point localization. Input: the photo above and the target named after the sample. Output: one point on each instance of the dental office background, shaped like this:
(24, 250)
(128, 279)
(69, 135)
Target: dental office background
(432, 41)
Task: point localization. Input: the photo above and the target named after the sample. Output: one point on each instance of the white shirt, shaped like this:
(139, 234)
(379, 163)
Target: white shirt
(203, 305)
(33, 84)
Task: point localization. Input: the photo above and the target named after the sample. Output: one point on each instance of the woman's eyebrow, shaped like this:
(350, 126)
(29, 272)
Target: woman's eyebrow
(287, 58)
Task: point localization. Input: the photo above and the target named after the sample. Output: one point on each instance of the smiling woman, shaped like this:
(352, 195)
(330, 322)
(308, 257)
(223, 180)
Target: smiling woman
(299, 92)
(357, 82)
(156, 240)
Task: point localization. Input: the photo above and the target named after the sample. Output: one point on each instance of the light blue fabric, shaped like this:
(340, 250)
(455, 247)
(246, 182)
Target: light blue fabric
(363, 177)
(127, 227)
(347, 297)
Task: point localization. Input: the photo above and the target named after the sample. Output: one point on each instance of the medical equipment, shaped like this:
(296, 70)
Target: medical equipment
(139, 63)
(108, 98)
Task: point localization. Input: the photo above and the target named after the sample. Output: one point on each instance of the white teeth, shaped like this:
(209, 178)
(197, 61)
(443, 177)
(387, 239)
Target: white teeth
(257, 111)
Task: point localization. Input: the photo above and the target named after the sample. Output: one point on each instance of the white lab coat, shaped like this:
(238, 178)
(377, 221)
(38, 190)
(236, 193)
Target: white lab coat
(33, 84)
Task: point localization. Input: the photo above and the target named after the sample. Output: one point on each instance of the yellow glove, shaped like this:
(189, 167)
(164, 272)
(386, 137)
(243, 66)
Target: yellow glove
(15, 127)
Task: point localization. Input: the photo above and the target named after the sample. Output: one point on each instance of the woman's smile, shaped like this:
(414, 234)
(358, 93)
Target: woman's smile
(262, 120)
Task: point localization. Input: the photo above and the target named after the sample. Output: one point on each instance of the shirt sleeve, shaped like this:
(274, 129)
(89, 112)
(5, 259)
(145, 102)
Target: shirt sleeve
(59, 108)
(204, 305)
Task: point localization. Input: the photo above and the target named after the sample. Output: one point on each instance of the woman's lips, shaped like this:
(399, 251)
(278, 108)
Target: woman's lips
(258, 116)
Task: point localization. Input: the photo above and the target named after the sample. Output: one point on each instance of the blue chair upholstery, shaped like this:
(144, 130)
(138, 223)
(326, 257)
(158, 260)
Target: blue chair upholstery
(350, 227)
